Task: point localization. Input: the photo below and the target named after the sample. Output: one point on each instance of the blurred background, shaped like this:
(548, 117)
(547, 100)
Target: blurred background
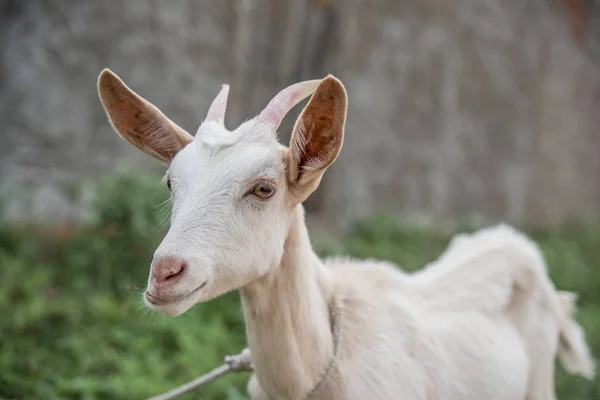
(461, 114)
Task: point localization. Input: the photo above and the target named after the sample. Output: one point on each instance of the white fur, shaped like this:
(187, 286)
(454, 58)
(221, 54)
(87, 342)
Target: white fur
(214, 227)
(483, 321)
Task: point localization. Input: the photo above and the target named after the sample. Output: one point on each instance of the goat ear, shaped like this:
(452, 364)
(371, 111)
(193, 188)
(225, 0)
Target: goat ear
(317, 137)
(138, 121)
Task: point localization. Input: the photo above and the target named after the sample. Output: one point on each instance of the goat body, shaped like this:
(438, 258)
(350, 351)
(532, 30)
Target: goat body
(483, 321)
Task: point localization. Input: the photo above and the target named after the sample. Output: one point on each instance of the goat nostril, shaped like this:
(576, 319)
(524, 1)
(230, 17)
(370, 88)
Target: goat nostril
(177, 271)
(168, 270)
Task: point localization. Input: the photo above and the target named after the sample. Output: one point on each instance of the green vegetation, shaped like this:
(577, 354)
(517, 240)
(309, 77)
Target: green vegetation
(71, 328)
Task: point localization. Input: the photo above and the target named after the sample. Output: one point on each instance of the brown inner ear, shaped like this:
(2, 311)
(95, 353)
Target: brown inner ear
(319, 132)
(138, 121)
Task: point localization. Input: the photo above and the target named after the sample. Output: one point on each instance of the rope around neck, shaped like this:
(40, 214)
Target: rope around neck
(336, 313)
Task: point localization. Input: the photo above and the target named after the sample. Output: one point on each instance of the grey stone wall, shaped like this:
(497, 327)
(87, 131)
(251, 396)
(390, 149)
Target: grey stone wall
(469, 108)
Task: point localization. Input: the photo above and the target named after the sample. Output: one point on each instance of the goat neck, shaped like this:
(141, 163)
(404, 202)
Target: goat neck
(288, 320)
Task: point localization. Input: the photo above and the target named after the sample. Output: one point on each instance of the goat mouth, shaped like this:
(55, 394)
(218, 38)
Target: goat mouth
(160, 301)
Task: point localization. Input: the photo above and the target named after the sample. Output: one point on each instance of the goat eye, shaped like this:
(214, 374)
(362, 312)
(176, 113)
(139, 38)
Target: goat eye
(263, 190)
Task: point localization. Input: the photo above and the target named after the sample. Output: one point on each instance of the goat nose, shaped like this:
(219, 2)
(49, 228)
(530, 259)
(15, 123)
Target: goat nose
(168, 270)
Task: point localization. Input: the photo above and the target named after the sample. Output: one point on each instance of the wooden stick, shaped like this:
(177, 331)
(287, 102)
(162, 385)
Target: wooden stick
(239, 363)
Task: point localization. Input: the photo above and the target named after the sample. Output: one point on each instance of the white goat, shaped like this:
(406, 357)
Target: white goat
(482, 322)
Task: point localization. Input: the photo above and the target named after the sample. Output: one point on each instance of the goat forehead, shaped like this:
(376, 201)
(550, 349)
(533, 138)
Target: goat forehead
(241, 161)
(216, 136)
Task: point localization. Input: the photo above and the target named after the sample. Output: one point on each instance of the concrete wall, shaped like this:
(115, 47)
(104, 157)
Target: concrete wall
(469, 108)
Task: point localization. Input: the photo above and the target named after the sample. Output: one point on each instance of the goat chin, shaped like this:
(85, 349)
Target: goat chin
(176, 307)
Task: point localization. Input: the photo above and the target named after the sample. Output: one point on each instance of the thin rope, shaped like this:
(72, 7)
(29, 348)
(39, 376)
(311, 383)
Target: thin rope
(336, 312)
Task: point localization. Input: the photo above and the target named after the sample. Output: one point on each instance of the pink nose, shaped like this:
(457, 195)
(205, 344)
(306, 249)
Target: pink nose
(168, 270)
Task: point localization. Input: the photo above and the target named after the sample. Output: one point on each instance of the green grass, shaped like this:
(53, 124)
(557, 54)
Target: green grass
(70, 328)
